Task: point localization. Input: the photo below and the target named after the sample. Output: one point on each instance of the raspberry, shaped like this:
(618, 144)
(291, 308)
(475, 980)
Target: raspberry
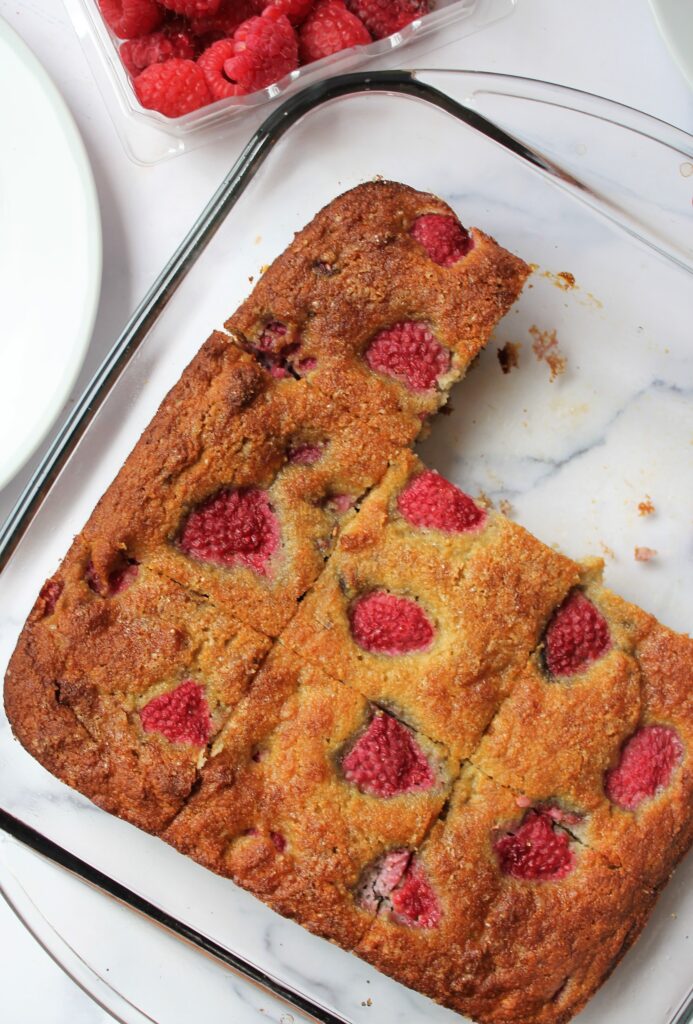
(49, 594)
(414, 902)
(212, 63)
(232, 528)
(385, 624)
(536, 851)
(383, 17)
(230, 14)
(172, 41)
(118, 580)
(173, 88)
(432, 501)
(275, 353)
(646, 765)
(577, 635)
(386, 760)
(443, 238)
(330, 28)
(192, 8)
(131, 18)
(338, 503)
(278, 840)
(265, 48)
(381, 877)
(305, 454)
(181, 715)
(408, 352)
(295, 10)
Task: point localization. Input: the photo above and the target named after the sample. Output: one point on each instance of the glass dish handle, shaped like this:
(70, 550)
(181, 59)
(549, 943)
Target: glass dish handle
(633, 169)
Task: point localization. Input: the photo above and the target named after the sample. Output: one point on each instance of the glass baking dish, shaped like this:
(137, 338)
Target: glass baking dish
(149, 136)
(595, 195)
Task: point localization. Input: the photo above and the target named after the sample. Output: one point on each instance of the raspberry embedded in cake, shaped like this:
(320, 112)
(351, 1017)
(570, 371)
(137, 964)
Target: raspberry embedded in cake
(409, 352)
(116, 582)
(387, 761)
(397, 885)
(431, 501)
(49, 594)
(443, 238)
(180, 715)
(535, 851)
(645, 767)
(233, 528)
(414, 903)
(383, 623)
(305, 454)
(577, 635)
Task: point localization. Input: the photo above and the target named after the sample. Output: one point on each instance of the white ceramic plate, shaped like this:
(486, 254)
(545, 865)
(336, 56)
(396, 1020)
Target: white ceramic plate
(50, 253)
(675, 21)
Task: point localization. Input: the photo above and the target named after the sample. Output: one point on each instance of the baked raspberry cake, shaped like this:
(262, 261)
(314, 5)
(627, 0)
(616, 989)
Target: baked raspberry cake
(312, 664)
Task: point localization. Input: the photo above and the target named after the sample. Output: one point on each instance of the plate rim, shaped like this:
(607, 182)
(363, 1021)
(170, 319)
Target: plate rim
(668, 17)
(94, 238)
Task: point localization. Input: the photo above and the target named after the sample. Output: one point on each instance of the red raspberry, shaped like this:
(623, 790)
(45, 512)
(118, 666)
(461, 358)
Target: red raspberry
(432, 501)
(276, 354)
(192, 8)
(381, 877)
(330, 28)
(386, 624)
(266, 49)
(414, 902)
(172, 41)
(131, 18)
(181, 715)
(536, 851)
(408, 352)
(233, 528)
(386, 760)
(295, 10)
(49, 594)
(212, 63)
(117, 581)
(338, 503)
(577, 635)
(647, 762)
(173, 88)
(443, 238)
(223, 24)
(383, 17)
(278, 840)
(305, 454)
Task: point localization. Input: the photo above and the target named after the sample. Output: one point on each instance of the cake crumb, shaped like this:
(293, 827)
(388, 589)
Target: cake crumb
(646, 507)
(484, 500)
(505, 506)
(645, 554)
(608, 552)
(264, 268)
(545, 348)
(367, 1002)
(567, 278)
(508, 356)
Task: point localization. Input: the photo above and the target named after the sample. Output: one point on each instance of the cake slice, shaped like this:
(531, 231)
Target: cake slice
(121, 694)
(308, 785)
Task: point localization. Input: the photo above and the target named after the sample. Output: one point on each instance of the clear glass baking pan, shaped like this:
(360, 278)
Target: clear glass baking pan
(149, 136)
(577, 185)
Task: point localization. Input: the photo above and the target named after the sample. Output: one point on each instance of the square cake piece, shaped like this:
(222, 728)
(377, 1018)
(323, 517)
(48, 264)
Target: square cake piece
(297, 803)
(122, 694)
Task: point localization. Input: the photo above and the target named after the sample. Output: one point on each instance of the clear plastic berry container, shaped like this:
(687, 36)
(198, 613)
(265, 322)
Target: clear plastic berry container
(149, 136)
(596, 196)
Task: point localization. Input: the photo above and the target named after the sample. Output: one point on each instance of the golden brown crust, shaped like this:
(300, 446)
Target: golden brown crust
(264, 799)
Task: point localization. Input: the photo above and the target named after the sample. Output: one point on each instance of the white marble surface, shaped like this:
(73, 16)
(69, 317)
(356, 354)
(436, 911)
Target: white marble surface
(611, 48)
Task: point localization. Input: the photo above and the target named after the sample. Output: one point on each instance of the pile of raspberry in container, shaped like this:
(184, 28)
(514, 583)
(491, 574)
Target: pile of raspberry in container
(185, 54)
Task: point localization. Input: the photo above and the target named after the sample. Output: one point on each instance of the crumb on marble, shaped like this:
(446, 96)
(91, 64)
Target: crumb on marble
(264, 268)
(367, 1002)
(505, 506)
(646, 507)
(645, 554)
(508, 356)
(608, 552)
(484, 500)
(545, 348)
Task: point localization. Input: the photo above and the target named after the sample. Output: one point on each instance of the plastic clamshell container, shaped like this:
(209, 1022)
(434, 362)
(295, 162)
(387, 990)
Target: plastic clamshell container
(149, 136)
(572, 183)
